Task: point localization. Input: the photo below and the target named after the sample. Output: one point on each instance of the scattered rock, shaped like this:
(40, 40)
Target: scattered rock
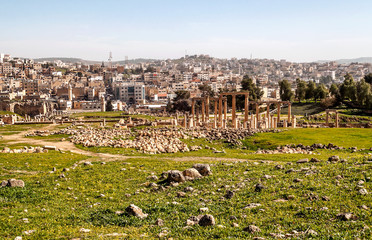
(305, 160)
(346, 216)
(203, 169)
(181, 194)
(334, 158)
(259, 187)
(314, 160)
(189, 189)
(159, 222)
(135, 211)
(252, 205)
(312, 233)
(326, 198)
(229, 194)
(204, 209)
(15, 183)
(175, 176)
(363, 191)
(252, 229)
(207, 220)
(191, 174)
(279, 167)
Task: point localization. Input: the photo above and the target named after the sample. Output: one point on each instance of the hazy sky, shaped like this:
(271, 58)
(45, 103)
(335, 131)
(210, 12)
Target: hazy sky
(296, 30)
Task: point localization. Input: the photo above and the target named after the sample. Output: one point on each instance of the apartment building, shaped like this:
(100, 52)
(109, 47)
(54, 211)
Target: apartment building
(129, 92)
(30, 86)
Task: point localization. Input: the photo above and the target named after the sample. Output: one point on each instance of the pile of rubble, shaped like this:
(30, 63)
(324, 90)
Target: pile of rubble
(304, 149)
(285, 150)
(152, 141)
(25, 150)
(230, 135)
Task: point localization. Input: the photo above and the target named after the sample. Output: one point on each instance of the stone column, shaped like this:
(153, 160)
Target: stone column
(203, 111)
(246, 107)
(215, 113)
(271, 121)
(278, 106)
(220, 111)
(207, 108)
(275, 122)
(197, 115)
(337, 120)
(289, 112)
(233, 112)
(224, 123)
(225, 109)
(294, 121)
(327, 117)
(268, 115)
(257, 113)
(193, 108)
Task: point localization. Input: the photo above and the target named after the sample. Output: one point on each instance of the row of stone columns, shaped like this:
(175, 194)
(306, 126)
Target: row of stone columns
(220, 112)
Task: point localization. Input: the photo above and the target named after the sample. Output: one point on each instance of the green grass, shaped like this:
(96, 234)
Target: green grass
(57, 208)
(53, 138)
(303, 108)
(14, 129)
(344, 137)
(72, 203)
(360, 138)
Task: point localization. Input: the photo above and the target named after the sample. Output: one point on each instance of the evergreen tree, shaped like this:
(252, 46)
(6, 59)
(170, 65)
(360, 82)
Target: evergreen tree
(363, 92)
(301, 89)
(348, 88)
(286, 94)
(320, 92)
(255, 93)
(310, 90)
(109, 106)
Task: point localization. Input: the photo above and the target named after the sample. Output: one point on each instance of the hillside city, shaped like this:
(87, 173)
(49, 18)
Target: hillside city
(149, 86)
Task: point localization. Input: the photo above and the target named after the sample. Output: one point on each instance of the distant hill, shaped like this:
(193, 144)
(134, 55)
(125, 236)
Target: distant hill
(79, 60)
(348, 61)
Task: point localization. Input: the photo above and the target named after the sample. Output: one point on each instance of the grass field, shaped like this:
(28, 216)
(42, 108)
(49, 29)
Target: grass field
(58, 208)
(299, 197)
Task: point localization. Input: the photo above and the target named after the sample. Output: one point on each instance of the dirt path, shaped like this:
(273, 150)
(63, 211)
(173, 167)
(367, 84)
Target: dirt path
(69, 146)
(62, 145)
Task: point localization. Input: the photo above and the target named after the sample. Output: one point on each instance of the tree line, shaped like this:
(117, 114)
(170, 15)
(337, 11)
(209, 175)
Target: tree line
(358, 94)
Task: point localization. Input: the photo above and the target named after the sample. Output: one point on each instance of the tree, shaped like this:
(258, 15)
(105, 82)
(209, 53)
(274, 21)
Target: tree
(255, 93)
(109, 106)
(181, 102)
(326, 80)
(182, 95)
(334, 90)
(285, 91)
(206, 89)
(301, 89)
(363, 92)
(150, 69)
(348, 88)
(310, 90)
(368, 78)
(321, 92)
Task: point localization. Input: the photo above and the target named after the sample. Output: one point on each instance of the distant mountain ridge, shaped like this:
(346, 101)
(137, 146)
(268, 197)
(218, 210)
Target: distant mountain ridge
(348, 61)
(144, 60)
(83, 61)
